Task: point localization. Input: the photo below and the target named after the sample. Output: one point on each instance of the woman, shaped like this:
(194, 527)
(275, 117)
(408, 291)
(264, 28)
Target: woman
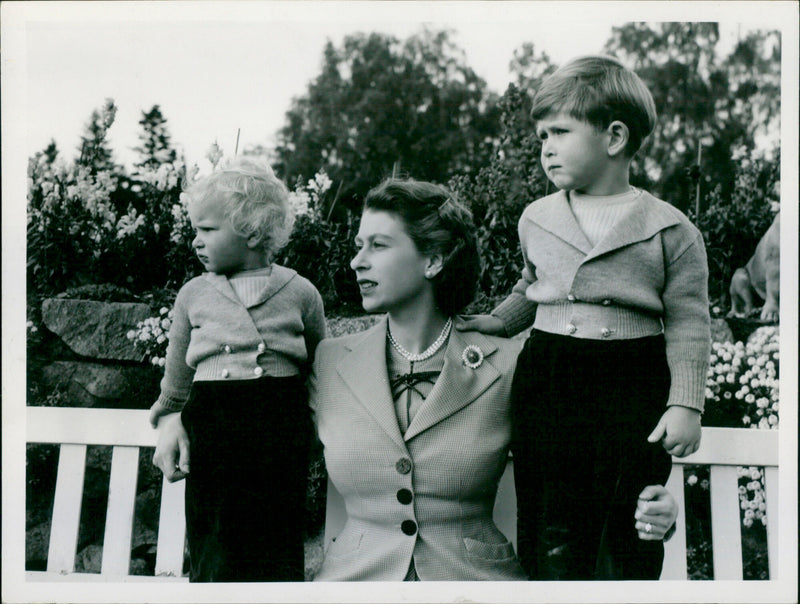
(413, 415)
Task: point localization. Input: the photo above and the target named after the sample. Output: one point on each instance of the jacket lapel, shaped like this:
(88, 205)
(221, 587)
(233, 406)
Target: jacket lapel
(643, 221)
(457, 385)
(554, 215)
(364, 372)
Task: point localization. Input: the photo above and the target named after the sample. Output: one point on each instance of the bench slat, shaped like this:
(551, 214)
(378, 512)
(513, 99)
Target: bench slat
(771, 486)
(90, 426)
(726, 534)
(752, 447)
(171, 529)
(675, 549)
(121, 505)
(66, 509)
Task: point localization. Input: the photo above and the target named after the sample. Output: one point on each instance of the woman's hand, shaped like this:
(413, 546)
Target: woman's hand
(656, 510)
(172, 448)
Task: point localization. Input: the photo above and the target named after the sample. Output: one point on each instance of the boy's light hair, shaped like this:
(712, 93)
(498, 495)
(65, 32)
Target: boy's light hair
(599, 90)
(255, 201)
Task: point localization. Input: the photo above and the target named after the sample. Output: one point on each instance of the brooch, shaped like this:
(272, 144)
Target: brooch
(472, 356)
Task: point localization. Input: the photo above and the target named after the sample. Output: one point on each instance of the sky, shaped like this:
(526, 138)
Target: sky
(217, 70)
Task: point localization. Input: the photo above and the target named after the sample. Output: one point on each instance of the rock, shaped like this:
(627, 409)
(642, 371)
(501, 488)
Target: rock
(95, 329)
(37, 541)
(86, 384)
(89, 559)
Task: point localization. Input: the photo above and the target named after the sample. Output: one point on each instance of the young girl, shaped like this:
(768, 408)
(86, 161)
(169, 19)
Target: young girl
(617, 281)
(241, 341)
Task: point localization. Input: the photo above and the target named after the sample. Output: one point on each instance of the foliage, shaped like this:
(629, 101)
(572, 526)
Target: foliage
(732, 225)
(156, 148)
(79, 235)
(95, 154)
(721, 104)
(382, 106)
(499, 193)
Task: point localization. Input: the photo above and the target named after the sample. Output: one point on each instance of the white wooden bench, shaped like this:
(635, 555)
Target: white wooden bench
(723, 449)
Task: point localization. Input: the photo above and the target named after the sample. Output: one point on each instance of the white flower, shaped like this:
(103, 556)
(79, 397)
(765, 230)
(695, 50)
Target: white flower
(692, 479)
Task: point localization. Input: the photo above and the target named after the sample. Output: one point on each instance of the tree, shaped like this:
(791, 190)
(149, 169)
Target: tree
(95, 154)
(382, 106)
(700, 101)
(156, 147)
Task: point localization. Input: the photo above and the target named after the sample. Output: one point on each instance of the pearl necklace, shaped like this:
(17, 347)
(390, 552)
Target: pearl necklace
(425, 354)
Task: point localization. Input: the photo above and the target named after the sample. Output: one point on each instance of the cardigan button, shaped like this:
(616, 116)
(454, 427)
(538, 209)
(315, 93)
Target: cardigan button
(403, 465)
(571, 328)
(226, 348)
(258, 371)
(409, 527)
(606, 302)
(225, 373)
(571, 298)
(404, 496)
(261, 347)
(605, 332)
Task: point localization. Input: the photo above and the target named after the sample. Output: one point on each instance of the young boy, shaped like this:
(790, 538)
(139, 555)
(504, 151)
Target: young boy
(615, 284)
(241, 340)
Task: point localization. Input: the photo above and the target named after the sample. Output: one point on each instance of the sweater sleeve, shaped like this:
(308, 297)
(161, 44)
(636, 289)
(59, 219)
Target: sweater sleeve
(687, 323)
(178, 376)
(314, 327)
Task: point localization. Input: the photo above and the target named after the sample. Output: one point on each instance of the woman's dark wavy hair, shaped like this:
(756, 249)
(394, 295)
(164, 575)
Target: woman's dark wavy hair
(437, 224)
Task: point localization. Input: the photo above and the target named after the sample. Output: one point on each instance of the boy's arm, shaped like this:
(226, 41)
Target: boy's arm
(178, 376)
(687, 323)
(314, 327)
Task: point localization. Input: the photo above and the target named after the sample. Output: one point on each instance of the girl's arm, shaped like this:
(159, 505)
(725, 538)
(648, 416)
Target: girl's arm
(314, 327)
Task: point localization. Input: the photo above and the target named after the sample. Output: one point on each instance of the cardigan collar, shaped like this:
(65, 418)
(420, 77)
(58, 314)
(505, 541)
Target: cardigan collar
(647, 217)
(277, 280)
(364, 371)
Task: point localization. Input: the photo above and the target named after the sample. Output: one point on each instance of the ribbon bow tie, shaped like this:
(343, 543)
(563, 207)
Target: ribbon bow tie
(409, 381)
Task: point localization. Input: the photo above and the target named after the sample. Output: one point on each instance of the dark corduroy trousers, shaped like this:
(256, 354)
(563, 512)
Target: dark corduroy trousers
(245, 493)
(582, 412)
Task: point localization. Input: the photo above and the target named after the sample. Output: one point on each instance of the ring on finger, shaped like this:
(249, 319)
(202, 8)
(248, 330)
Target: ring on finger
(648, 528)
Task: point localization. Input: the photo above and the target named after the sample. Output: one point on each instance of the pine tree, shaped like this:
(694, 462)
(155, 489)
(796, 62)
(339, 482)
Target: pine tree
(156, 148)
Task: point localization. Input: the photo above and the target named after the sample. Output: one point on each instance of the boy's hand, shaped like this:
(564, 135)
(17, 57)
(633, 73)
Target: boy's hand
(487, 324)
(679, 431)
(157, 411)
(172, 449)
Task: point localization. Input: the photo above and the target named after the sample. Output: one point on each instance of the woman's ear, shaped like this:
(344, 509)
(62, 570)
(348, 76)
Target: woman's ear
(434, 266)
(618, 136)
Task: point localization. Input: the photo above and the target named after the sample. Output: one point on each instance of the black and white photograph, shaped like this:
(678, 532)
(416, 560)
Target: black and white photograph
(400, 301)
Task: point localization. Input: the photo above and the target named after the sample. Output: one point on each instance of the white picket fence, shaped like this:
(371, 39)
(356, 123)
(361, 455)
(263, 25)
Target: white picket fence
(723, 449)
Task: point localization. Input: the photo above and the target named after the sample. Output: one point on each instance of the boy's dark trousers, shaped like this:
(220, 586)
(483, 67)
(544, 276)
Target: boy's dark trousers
(245, 494)
(582, 412)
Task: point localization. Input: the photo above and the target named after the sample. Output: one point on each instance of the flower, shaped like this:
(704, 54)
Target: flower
(472, 356)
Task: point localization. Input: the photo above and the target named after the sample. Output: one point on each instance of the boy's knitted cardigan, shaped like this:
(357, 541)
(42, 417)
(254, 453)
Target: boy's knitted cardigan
(215, 337)
(647, 275)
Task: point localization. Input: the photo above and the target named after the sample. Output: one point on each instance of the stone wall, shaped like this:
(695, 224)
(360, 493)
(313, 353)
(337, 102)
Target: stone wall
(86, 360)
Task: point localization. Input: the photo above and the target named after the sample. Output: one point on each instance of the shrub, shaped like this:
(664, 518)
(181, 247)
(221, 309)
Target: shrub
(499, 193)
(732, 227)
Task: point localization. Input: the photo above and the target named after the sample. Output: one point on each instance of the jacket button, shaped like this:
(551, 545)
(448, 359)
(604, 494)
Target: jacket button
(225, 373)
(571, 298)
(404, 496)
(409, 527)
(403, 465)
(605, 332)
(258, 371)
(571, 328)
(262, 347)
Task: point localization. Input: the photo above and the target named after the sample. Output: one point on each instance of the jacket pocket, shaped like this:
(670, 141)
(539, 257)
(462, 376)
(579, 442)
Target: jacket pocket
(344, 544)
(489, 551)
